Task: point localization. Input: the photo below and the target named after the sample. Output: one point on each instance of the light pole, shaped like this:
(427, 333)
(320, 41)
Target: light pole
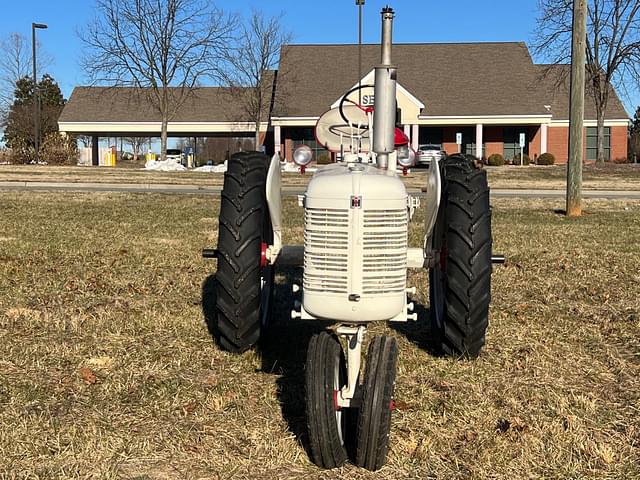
(36, 91)
(360, 3)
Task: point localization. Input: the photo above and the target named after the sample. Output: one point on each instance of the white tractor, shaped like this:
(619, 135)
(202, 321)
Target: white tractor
(355, 258)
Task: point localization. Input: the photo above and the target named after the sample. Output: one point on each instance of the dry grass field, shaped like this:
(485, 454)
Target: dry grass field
(107, 369)
(610, 177)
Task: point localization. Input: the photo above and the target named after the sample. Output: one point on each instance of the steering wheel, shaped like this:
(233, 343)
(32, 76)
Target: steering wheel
(345, 100)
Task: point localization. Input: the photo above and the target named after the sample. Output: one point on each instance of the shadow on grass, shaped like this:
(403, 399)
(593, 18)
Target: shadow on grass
(418, 332)
(282, 347)
(209, 304)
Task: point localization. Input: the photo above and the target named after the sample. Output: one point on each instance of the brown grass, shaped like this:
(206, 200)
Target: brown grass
(610, 177)
(107, 369)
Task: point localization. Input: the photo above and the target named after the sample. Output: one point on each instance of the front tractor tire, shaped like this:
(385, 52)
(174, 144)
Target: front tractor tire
(325, 376)
(243, 284)
(460, 281)
(374, 419)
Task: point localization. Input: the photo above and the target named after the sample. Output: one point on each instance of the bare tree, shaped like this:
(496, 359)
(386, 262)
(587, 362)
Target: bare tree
(136, 144)
(15, 63)
(613, 46)
(163, 48)
(253, 61)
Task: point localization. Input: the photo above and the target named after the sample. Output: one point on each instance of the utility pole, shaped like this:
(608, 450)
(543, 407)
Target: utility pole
(36, 91)
(576, 115)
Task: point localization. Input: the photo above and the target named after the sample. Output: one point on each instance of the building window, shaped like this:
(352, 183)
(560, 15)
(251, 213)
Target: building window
(306, 136)
(512, 142)
(430, 136)
(592, 143)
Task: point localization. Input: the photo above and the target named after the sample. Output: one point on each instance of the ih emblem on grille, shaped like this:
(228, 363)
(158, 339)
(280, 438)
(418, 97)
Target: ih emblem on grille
(356, 201)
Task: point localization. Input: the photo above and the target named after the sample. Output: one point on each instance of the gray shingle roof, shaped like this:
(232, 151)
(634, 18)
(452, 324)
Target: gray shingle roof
(122, 104)
(451, 79)
(554, 83)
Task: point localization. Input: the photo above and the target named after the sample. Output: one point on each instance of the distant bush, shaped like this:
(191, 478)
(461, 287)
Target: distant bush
(621, 160)
(547, 159)
(495, 160)
(59, 149)
(5, 155)
(525, 159)
(21, 151)
(323, 158)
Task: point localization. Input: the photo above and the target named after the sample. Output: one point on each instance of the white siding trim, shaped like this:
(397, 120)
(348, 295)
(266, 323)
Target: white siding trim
(592, 123)
(172, 127)
(485, 120)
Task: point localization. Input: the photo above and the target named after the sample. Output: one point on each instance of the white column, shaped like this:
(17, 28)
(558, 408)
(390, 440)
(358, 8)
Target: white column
(276, 138)
(415, 135)
(407, 130)
(479, 131)
(543, 138)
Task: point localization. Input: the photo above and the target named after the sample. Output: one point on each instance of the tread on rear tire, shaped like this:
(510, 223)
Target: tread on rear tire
(460, 285)
(243, 227)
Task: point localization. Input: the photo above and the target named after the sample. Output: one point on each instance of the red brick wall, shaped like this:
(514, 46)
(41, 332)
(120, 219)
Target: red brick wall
(493, 138)
(618, 142)
(449, 144)
(535, 137)
(288, 149)
(558, 143)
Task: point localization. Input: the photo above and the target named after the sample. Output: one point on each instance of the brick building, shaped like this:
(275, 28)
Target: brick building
(491, 93)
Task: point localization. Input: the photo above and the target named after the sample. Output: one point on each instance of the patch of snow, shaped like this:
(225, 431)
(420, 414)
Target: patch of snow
(169, 165)
(212, 168)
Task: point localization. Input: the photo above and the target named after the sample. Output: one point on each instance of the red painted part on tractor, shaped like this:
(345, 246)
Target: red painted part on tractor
(392, 405)
(303, 168)
(263, 255)
(400, 138)
(335, 400)
(405, 170)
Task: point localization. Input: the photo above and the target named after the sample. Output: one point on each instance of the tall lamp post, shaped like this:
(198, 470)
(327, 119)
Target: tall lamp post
(36, 91)
(360, 3)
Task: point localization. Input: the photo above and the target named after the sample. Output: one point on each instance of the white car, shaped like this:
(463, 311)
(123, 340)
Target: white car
(429, 152)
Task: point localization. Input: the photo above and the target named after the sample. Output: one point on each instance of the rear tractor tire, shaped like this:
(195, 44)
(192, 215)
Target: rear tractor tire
(243, 281)
(460, 282)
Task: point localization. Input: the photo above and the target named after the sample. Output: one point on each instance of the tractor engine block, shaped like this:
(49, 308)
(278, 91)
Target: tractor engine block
(355, 244)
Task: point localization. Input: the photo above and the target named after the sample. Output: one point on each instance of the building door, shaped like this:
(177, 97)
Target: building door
(512, 141)
(469, 142)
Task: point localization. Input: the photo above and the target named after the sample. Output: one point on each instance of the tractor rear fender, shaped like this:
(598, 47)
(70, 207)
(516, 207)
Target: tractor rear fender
(274, 202)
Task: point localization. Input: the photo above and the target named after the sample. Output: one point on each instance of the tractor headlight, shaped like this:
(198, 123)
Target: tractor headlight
(303, 155)
(406, 156)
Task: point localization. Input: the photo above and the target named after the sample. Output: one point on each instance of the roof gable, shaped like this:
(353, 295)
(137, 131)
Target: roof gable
(403, 95)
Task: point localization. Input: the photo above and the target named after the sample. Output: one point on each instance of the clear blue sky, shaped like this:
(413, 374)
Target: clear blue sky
(311, 21)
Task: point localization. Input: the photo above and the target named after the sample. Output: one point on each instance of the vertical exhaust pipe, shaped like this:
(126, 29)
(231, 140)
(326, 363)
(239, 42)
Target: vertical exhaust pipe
(384, 114)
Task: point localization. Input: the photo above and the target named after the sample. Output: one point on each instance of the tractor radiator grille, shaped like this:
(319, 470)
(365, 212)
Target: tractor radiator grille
(326, 243)
(384, 251)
